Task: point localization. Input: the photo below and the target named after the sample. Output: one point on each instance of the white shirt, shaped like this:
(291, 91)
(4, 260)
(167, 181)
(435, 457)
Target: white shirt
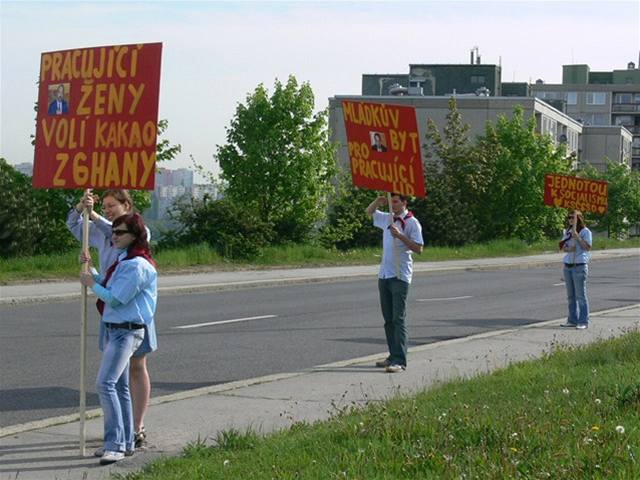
(397, 260)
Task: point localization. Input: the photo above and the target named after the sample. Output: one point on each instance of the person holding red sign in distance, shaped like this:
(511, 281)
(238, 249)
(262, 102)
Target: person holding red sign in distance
(576, 243)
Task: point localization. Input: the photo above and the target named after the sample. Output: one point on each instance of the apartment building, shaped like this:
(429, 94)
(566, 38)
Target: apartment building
(600, 99)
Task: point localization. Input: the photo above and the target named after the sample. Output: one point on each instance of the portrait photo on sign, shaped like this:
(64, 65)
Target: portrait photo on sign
(58, 98)
(378, 142)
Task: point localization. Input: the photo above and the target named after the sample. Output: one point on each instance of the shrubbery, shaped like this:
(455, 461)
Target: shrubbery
(233, 231)
(31, 221)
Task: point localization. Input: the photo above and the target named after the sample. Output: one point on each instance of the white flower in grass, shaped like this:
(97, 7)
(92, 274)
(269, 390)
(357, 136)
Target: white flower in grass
(587, 440)
(565, 391)
(514, 435)
(598, 401)
(226, 462)
(620, 429)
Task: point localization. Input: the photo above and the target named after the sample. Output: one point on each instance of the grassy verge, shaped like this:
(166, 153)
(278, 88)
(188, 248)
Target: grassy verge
(203, 257)
(574, 414)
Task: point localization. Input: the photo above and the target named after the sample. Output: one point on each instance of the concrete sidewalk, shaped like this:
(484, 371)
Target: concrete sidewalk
(276, 402)
(202, 282)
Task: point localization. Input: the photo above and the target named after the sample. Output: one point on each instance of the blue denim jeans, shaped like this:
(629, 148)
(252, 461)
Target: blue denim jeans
(575, 279)
(393, 301)
(112, 385)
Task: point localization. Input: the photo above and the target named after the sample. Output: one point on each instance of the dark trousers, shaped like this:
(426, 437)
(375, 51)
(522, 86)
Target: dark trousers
(393, 302)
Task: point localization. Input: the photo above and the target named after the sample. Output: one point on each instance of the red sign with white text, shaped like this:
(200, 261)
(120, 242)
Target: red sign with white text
(573, 192)
(97, 117)
(384, 147)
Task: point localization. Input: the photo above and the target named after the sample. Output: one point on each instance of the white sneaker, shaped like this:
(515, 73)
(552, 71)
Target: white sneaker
(100, 452)
(110, 457)
(582, 326)
(394, 368)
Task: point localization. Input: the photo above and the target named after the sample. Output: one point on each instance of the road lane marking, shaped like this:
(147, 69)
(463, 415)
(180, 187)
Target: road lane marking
(234, 385)
(235, 320)
(443, 299)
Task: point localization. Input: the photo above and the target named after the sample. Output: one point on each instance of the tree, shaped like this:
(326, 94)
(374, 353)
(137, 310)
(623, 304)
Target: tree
(623, 207)
(517, 159)
(278, 162)
(31, 221)
(222, 224)
(348, 225)
(454, 179)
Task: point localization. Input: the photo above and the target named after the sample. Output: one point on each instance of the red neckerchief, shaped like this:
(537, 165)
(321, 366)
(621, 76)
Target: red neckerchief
(402, 220)
(134, 252)
(562, 243)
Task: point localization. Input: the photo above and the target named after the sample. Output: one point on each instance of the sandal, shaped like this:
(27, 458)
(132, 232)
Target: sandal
(140, 438)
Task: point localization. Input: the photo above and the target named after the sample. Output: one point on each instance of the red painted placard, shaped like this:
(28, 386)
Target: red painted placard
(384, 147)
(572, 192)
(97, 117)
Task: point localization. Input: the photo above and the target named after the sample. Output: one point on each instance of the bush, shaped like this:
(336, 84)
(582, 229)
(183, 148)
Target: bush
(32, 221)
(233, 232)
(348, 226)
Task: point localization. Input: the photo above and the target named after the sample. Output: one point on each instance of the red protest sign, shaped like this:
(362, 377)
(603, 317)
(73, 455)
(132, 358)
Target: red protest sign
(384, 147)
(573, 192)
(97, 117)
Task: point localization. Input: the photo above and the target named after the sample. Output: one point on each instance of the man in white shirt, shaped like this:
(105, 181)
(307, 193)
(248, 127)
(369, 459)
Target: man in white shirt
(402, 236)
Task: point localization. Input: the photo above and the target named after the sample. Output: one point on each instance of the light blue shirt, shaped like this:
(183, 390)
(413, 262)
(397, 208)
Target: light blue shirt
(580, 255)
(99, 237)
(132, 292)
(400, 263)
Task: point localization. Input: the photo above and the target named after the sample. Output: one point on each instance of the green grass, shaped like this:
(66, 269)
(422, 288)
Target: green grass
(551, 418)
(203, 257)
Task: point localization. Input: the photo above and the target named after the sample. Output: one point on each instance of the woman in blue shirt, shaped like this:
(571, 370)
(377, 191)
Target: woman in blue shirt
(576, 243)
(127, 296)
(117, 202)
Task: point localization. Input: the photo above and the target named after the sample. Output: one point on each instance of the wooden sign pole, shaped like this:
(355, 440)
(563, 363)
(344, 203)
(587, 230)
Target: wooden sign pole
(83, 329)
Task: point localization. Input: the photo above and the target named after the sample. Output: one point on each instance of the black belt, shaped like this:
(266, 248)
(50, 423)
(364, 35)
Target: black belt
(571, 265)
(126, 325)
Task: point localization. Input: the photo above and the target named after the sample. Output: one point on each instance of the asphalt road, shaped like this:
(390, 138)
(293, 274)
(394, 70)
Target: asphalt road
(280, 329)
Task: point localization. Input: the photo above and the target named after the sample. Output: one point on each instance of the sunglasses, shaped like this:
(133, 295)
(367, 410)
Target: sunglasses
(118, 233)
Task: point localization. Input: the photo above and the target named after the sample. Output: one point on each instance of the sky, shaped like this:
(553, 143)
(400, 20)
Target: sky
(216, 53)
